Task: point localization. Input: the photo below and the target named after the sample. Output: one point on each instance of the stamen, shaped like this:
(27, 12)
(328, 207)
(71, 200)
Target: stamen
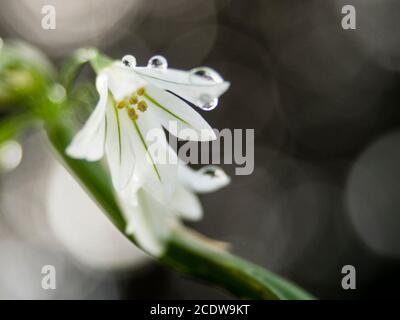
(132, 114)
(141, 91)
(142, 105)
(122, 104)
(133, 99)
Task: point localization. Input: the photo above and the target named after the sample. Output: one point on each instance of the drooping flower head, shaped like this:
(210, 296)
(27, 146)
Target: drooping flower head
(134, 100)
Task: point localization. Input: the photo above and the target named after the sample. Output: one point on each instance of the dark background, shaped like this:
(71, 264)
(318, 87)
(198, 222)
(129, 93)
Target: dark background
(324, 103)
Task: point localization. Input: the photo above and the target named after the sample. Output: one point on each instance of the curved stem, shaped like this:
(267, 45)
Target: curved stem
(186, 252)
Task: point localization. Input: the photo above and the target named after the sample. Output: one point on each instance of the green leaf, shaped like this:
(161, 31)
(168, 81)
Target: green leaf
(12, 125)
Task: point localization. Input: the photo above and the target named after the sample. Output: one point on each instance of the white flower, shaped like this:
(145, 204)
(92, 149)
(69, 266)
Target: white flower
(151, 222)
(133, 100)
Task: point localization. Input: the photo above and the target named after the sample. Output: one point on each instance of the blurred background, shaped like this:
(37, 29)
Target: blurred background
(324, 103)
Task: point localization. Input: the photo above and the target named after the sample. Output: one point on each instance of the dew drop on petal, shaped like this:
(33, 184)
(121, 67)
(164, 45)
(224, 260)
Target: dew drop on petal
(207, 102)
(129, 61)
(212, 171)
(157, 62)
(205, 73)
(216, 174)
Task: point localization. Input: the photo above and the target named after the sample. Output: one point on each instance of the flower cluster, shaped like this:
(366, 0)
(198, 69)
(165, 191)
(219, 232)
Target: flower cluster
(133, 101)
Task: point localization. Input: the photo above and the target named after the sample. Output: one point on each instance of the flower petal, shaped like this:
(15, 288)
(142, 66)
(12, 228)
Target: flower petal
(187, 204)
(156, 163)
(119, 146)
(130, 192)
(176, 115)
(183, 83)
(149, 222)
(88, 143)
(208, 179)
(122, 80)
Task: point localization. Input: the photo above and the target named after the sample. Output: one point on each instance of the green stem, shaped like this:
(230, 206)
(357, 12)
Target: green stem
(194, 256)
(92, 176)
(186, 252)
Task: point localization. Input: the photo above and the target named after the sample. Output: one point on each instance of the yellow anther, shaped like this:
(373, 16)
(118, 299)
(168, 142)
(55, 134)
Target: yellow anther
(142, 105)
(132, 114)
(141, 91)
(122, 104)
(133, 99)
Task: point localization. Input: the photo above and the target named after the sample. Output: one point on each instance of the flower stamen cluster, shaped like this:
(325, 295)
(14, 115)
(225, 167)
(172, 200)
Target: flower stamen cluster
(133, 100)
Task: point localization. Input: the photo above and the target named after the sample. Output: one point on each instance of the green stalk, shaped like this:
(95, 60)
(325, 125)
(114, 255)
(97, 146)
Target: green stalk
(196, 257)
(185, 252)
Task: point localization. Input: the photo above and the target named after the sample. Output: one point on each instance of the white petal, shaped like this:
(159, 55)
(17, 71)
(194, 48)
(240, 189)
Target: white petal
(158, 172)
(187, 204)
(123, 81)
(200, 181)
(149, 222)
(182, 83)
(142, 230)
(130, 192)
(176, 115)
(119, 146)
(88, 143)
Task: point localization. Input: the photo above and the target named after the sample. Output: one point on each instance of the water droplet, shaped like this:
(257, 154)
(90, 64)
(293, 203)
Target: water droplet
(57, 93)
(129, 61)
(211, 171)
(218, 176)
(158, 62)
(205, 73)
(207, 102)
